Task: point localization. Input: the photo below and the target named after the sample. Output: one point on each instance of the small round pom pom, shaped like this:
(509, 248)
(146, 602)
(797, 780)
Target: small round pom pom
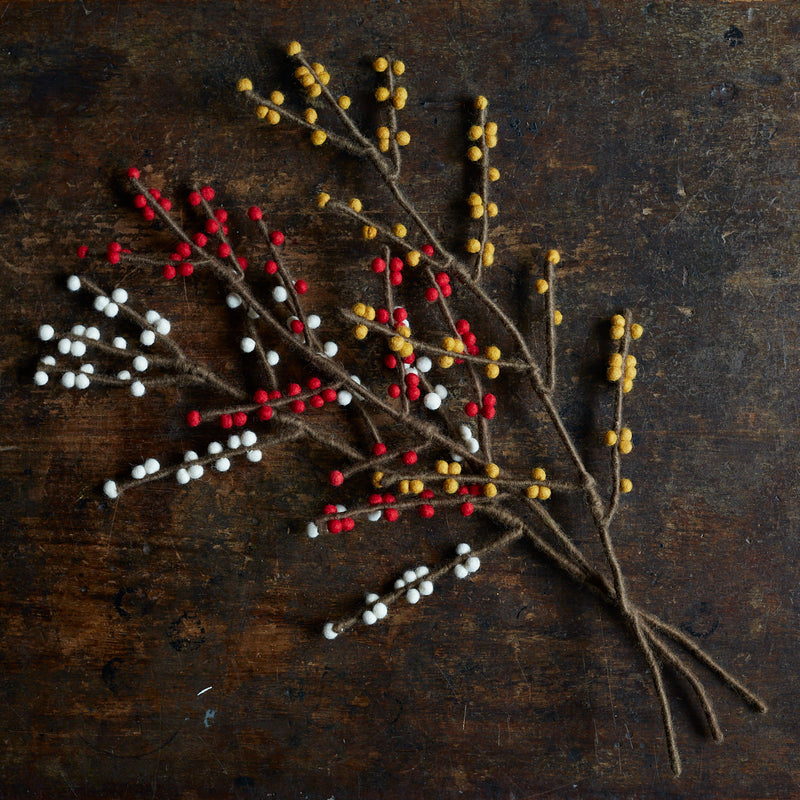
(312, 531)
(327, 631)
(138, 472)
(147, 338)
(467, 509)
(292, 49)
(412, 596)
(369, 617)
(40, 377)
(460, 571)
(248, 344)
(182, 476)
(344, 397)
(254, 212)
(318, 137)
(46, 333)
(277, 238)
(636, 331)
(68, 380)
(625, 485)
(73, 283)
(244, 85)
(273, 358)
(432, 401)
(82, 381)
(140, 364)
(336, 478)
(473, 564)
(426, 511)
(151, 466)
(279, 294)
(254, 456)
(222, 464)
(83, 251)
(110, 490)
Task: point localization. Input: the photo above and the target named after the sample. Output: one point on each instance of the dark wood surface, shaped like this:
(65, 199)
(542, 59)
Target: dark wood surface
(655, 144)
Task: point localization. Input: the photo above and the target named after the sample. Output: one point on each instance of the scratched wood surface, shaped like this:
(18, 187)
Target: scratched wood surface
(655, 144)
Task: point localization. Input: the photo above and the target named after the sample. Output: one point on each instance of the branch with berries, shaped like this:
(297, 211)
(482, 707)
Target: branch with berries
(416, 441)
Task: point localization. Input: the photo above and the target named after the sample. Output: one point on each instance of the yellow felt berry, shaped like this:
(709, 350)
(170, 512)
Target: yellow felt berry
(412, 258)
(618, 319)
(359, 309)
(488, 255)
(396, 342)
(610, 438)
(615, 360)
(636, 331)
(626, 434)
(416, 486)
(481, 102)
(369, 232)
(532, 492)
(558, 317)
(406, 350)
(383, 145)
(300, 72)
(398, 67)
(273, 117)
(324, 78)
(492, 371)
(492, 352)
(630, 361)
(473, 246)
(403, 487)
(625, 447)
(369, 314)
(627, 386)
(244, 85)
(617, 332)
(403, 138)
(476, 212)
(489, 490)
(323, 198)
(306, 79)
(613, 373)
(380, 64)
(377, 477)
(360, 331)
(494, 174)
(450, 486)
(544, 492)
(492, 210)
(454, 468)
(474, 199)
(459, 346)
(448, 343)
(441, 466)
(404, 330)
(399, 230)
(318, 137)
(552, 257)
(491, 470)
(277, 98)
(261, 111)
(355, 204)
(445, 362)
(630, 373)
(293, 48)
(310, 115)
(539, 474)
(318, 68)
(381, 94)
(625, 485)
(344, 102)
(491, 129)
(400, 97)
(475, 133)
(491, 141)
(314, 90)
(542, 286)
(474, 153)
(382, 132)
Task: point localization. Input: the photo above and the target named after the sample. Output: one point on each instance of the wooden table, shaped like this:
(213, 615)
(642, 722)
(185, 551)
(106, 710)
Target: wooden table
(653, 143)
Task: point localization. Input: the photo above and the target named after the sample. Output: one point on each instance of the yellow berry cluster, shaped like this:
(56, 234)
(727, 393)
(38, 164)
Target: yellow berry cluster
(410, 487)
(399, 343)
(474, 246)
(615, 371)
(366, 312)
(536, 492)
(618, 328)
(475, 203)
(452, 345)
(384, 137)
(624, 440)
(493, 354)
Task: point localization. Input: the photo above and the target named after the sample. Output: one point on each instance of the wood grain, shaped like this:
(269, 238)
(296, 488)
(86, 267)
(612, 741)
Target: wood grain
(653, 143)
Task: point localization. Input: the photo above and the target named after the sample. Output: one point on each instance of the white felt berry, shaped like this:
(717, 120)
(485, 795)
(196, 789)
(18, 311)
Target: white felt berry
(68, 380)
(140, 364)
(46, 332)
(64, 346)
(147, 338)
(279, 294)
(111, 310)
(110, 489)
(77, 349)
(138, 472)
(328, 632)
(163, 326)
(100, 302)
(233, 300)
(119, 296)
(248, 344)
(119, 343)
(254, 456)
(222, 464)
(40, 377)
(424, 364)
(313, 321)
(272, 358)
(380, 610)
(462, 549)
(138, 389)
(312, 531)
(182, 476)
(151, 466)
(249, 438)
(82, 381)
(73, 283)
(432, 401)
(152, 316)
(330, 349)
(412, 596)
(196, 471)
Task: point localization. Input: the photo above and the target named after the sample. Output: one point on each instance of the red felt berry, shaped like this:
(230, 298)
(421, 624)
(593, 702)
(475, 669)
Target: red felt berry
(208, 193)
(265, 413)
(471, 409)
(212, 226)
(114, 247)
(83, 251)
(242, 263)
(200, 239)
(226, 421)
(394, 390)
(275, 395)
(297, 406)
(431, 294)
(473, 349)
(390, 361)
(396, 278)
(168, 271)
(462, 326)
(277, 238)
(329, 395)
(470, 339)
(260, 396)
(301, 287)
(154, 193)
(412, 379)
(463, 490)
(396, 264)
(348, 523)
(185, 269)
(442, 278)
(375, 500)
(378, 449)
(239, 419)
(382, 316)
(270, 267)
(427, 249)
(195, 199)
(400, 315)
(409, 359)
(447, 290)
(336, 478)
(183, 250)
(254, 212)
(391, 514)
(329, 509)
(148, 214)
(378, 265)
(133, 173)
(489, 412)
(467, 509)
(489, 399)
(221, 214)
(174, 257)
(316, 401)
(313, 383)
(413, 393)
(427, 494)
(297, 326)
(224, 250)
(409, 458)
(193, 419)
(426, 511)
(165, 203)
(112, 257)
(335, 525)
(388, 499)
(225, 229)
(476, 490)
(294, 389)
(140, 201)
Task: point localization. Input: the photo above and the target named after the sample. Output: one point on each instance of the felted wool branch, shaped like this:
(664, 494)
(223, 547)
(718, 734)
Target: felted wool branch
(428, 419)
